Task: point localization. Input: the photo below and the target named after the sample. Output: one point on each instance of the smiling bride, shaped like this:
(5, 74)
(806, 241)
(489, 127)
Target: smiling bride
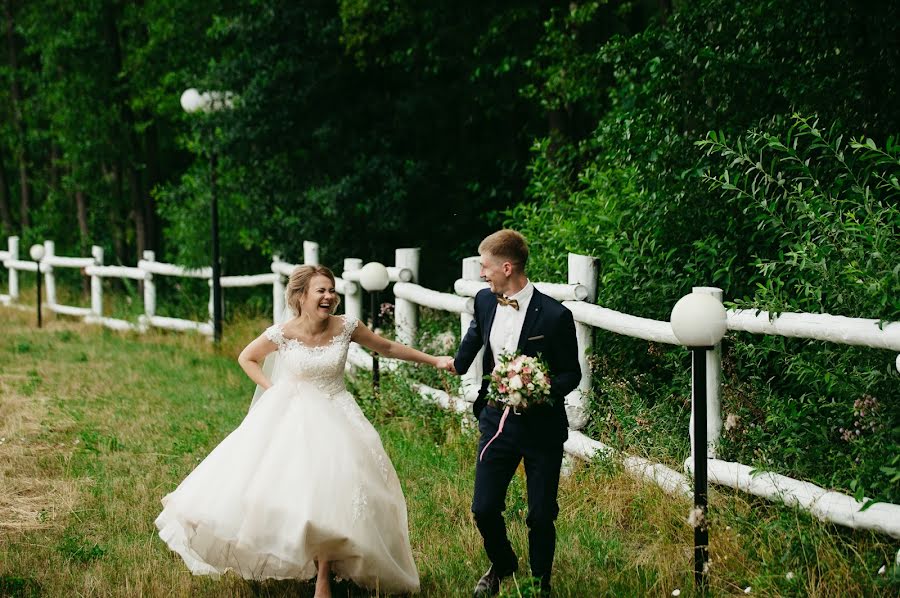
(303, 486)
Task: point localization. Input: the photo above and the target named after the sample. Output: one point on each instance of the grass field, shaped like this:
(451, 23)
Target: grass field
(96, 426)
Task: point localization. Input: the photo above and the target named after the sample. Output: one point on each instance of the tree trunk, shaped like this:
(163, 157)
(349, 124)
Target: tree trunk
(83, 232)
(15, 93)
(115, 221)
(151, 154)
(5, 211)
(137, 211)
(132, 146)
(54, 167)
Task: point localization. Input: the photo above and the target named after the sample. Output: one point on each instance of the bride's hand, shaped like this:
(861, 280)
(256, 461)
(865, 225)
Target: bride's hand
(445, 362)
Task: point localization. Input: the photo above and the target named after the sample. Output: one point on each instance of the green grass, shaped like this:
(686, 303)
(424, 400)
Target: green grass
(96, 426)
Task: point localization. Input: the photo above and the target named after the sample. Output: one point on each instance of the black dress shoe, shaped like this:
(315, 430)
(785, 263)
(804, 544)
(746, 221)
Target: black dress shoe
(545, 589)
(489, 584)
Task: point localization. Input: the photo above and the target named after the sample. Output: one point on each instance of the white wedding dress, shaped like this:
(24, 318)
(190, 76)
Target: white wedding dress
(303, 477)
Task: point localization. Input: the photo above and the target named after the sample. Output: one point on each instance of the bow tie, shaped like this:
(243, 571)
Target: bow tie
(504, 300)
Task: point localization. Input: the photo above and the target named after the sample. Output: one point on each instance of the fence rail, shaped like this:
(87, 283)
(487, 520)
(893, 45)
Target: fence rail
(578, 294)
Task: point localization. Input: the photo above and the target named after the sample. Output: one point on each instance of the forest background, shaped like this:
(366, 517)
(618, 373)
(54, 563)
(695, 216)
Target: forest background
(746, 145)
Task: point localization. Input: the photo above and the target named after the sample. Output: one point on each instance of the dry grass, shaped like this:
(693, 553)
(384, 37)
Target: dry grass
(97, 426)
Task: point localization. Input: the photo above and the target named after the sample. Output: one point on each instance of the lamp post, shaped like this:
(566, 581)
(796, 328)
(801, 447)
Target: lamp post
(37, 254)
(699, 322)
(211, 101)
(374, 278)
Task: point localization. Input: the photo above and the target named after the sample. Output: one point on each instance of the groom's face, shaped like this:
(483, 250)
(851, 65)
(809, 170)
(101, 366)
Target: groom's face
(495, 272)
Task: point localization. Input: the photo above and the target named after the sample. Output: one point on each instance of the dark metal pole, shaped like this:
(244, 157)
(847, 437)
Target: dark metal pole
(39, 294)
(701, 532)
(376, 375)
(216, 270)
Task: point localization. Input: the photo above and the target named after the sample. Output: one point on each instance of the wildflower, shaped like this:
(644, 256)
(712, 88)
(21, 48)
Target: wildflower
(732, 421)
(445, 341)
(790, 575)
(696, 517)
(676, 592)
(747, 590)
(882, 570)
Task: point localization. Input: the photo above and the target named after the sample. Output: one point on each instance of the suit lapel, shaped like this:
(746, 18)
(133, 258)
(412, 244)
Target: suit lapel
(534, 312)
(488, 324)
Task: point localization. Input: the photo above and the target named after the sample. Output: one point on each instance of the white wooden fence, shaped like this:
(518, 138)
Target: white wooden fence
(578, 295)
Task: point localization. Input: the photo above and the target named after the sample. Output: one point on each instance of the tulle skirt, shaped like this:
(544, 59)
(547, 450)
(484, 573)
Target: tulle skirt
(303, 478)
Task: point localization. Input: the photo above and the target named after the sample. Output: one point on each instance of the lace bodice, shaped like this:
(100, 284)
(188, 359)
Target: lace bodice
(323, 366)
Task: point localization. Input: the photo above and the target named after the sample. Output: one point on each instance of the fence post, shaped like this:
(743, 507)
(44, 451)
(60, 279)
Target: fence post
(406, 313)
(149, 290)
(277, 291)
(13, 245)
(49, 279)
(310, 253)
(471, 381)
(713, 388)
(583, 271)
(97, 283)
(353, 301)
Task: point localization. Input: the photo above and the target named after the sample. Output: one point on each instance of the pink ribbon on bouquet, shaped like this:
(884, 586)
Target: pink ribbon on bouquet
(499, 429)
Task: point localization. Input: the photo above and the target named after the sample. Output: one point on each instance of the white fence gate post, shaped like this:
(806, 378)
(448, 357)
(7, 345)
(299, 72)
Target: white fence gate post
(277, 291)
(49, 279)
(310, 253)
(713, 388)
(13, 245)
(97, 284)
(406, 313)
(471, 381)
(353, 301)
(149, 290)
(583, 271)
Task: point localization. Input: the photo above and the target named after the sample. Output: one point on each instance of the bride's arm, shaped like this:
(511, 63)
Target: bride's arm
(251, 359)
(382, 346)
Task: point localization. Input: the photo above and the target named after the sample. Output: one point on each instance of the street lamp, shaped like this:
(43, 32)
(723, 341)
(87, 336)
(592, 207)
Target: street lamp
(374, 278)
(37, 254)
(211, 101)
(699, 322)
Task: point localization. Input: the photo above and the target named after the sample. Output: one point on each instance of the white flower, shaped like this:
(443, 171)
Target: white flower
(515, 382)
(695, 517)
(732, 421)
(676, 592)
(747, 590)
(882, 570)
(445, 340)
(790, 575)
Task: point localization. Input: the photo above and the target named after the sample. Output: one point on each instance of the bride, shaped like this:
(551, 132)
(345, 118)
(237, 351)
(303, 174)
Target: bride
(303, 486)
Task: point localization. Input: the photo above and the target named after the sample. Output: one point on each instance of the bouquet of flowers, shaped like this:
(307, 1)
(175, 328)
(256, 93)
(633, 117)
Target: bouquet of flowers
(520, 381)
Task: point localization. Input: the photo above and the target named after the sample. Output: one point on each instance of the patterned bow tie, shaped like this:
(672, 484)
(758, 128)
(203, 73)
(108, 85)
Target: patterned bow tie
(504, 300)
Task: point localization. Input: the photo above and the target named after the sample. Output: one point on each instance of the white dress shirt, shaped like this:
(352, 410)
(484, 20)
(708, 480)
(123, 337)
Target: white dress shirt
(507, 326)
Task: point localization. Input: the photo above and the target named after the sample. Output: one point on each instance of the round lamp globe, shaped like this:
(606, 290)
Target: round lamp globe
(699, 320)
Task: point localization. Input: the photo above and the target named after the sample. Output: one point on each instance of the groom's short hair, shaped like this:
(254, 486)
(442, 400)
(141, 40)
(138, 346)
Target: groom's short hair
(508, 245)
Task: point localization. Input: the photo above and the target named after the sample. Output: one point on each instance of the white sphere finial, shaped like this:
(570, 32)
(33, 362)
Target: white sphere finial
(191, 100)
(699, 320)
(374, 277)
(36, 252)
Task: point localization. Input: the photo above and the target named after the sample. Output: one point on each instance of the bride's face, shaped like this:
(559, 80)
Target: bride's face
(320, 298)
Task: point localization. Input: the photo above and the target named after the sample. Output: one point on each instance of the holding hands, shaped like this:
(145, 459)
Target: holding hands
(445, 363)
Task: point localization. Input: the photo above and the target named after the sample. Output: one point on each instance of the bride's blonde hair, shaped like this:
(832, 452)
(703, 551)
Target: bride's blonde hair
(298, 285)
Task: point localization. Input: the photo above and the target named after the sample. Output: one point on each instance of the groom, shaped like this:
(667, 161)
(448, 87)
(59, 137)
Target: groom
(514, 316)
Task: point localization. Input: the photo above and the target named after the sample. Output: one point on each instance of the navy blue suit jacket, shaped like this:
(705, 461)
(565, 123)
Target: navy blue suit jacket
(548, 330)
